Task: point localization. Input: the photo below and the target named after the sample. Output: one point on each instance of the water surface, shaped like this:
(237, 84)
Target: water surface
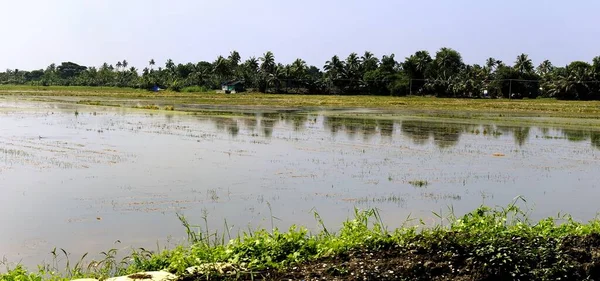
(84, 181)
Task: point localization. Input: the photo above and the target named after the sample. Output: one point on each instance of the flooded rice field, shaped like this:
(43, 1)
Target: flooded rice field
(88, 179)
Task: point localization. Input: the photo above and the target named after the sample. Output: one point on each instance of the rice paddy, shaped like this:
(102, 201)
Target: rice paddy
(113, 173)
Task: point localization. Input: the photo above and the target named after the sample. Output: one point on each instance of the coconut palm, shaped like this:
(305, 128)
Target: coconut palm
(447, 63)
(417, 65)
(268, 63)
(234, 58)
(221, 68)
(170, 65)
(369, 62)
(298, 69)
(334, 68)
(352, 66)
(523, 64)
(544, 68)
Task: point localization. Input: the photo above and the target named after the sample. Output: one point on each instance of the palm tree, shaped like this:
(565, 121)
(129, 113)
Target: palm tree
(119, 65)
(298, 69)
(268, 63)
(221, 68)
(334, 71)
(490, 63)
(544, 68)
(170, 65)
(352, 73)
(125, 63)
(352, 64)
(389, 65)
(334, 67)
(523, 64)
(422, 61)
(151, 63)
(448, 63)
(251, 64)
(266, 69)
(369, 62)
(234, 58)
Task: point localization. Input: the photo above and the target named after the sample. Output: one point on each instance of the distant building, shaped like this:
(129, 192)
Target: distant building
(233, 87)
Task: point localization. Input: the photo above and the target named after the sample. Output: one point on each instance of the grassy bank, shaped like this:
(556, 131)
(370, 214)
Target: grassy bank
(486, 244)
(99, 95)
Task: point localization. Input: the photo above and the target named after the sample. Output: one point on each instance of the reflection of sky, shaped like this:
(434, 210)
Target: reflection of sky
(134, 171)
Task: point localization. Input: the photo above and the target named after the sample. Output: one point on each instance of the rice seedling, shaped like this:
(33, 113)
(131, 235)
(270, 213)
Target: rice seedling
(419, 183)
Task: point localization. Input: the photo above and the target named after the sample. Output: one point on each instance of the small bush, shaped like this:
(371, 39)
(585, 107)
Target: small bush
(195, 89)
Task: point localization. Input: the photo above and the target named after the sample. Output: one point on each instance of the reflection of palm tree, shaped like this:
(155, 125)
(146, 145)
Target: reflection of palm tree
(595, 139)
(267, 125)
(444, 134)
(521, 135)
(386, 127)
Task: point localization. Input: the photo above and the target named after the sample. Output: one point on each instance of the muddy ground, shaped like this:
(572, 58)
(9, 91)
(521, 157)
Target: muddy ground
(510, 258)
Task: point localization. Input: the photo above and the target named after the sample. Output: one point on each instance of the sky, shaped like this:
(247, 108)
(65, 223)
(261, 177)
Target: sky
(36, 33)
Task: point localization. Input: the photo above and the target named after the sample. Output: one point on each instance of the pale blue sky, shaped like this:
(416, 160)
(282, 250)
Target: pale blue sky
(36, 33)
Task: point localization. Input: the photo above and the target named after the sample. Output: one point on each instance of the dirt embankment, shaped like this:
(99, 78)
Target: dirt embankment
(515, 258)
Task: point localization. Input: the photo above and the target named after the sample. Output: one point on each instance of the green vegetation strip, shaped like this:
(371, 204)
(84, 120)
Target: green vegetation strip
(432, 106)
(486, 244)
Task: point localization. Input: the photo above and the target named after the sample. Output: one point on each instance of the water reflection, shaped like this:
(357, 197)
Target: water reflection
(420, 132)
(444, 134)
(229, 125)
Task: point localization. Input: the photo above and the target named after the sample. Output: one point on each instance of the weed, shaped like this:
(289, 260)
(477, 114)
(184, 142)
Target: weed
(485, 244)
(419, 183)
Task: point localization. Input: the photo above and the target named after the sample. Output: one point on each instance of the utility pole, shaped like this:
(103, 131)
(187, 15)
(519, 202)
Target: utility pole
(410, 87)
(510, 89)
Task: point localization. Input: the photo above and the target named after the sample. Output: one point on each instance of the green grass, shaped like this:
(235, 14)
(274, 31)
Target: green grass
(446, 106)
(67, 89)
(195, 89)
(486, 243)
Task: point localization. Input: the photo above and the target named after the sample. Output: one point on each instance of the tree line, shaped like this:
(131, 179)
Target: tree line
(443, 74)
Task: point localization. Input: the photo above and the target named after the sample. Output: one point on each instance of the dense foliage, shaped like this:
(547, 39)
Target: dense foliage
(443, 75)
